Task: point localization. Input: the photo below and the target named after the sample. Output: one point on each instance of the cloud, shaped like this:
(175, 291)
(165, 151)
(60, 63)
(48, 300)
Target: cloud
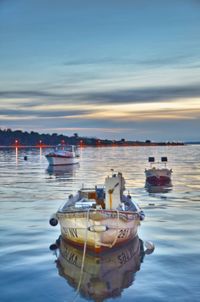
(27, 94)
(112, 96)
(107, 114)
(19, 113)
(152, 61)
(89, 61)
(154, 94)
(180, 59)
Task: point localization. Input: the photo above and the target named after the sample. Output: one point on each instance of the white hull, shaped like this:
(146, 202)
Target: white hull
(100, 229)
(57, 161)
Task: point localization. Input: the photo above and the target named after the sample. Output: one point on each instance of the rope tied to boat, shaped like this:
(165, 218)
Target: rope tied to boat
(110, 245)
(83, 258)
(85, 248)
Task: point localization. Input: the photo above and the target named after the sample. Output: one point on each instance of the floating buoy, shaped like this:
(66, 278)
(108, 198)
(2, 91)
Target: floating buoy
(53, 220)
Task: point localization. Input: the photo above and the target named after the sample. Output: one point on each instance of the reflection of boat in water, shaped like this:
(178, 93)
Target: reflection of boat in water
(158, 175)
(61, 170)
(101, 218)
(63, 155)
(158, 189)
(103, 276)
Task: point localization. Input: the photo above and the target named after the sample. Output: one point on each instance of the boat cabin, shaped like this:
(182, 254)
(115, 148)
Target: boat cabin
(163, 160)
(108, 197)
(67, 148)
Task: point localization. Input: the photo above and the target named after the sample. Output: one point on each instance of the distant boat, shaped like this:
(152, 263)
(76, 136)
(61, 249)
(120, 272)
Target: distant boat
(101, 217)
(63, 155)
(158, 174)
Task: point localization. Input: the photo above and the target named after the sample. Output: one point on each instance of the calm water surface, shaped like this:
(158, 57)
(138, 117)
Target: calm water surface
(30, 193)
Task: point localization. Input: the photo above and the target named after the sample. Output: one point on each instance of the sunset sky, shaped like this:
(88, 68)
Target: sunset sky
(111, 69)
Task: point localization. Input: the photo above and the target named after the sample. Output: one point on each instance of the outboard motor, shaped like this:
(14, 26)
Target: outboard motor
(114, 187)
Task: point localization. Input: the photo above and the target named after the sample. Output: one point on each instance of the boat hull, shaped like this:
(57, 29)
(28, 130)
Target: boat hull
(158, 177)
(98, 229)
(61, 160)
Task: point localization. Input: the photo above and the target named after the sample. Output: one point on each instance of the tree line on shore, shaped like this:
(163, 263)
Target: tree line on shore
(10, 137)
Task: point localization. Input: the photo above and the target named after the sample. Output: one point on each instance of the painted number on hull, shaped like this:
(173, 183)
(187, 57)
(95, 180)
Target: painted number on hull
(71, 232)
(123, 233)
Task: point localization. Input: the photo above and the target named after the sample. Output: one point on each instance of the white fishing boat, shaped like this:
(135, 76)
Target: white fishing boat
(158, 174)
(63, 155)
(101, 218)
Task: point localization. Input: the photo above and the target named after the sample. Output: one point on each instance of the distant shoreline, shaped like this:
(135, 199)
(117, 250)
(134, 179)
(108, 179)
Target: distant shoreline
(20, 139)
(97, 146)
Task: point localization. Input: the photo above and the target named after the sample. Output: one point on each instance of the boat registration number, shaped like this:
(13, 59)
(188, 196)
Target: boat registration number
(123, 233)
(71, 232)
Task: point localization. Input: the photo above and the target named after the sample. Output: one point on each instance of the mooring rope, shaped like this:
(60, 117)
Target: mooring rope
(116, 236)
(83, 258)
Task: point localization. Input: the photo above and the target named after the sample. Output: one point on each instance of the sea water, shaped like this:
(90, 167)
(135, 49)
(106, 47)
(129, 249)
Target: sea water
(30, 192)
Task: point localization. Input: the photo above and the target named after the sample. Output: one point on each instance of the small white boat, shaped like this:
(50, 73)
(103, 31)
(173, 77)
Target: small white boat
(157, 174)
(101, 218)
(63, 155)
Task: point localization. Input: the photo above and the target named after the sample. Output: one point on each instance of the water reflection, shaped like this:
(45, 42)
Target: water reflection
(103, 276)
(41, 155)
(62, 170)
(16, 155)
(158, 189)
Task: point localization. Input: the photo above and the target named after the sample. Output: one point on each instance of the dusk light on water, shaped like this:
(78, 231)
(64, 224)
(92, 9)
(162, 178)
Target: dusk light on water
(31, 192)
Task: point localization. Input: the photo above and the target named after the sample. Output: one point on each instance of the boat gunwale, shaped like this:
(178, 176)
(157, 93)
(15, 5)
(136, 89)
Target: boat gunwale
(99, 211)
(60, 156)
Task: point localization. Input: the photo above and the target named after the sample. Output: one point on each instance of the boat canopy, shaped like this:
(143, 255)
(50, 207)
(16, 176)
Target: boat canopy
(69, 148)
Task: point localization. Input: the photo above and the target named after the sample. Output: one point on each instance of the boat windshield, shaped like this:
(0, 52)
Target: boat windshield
(64, 148)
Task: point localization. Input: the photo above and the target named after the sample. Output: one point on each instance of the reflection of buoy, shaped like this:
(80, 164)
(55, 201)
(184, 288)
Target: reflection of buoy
(25, 157)
(58, 242)
(53, 247)
(149, 247)
(53, 220)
